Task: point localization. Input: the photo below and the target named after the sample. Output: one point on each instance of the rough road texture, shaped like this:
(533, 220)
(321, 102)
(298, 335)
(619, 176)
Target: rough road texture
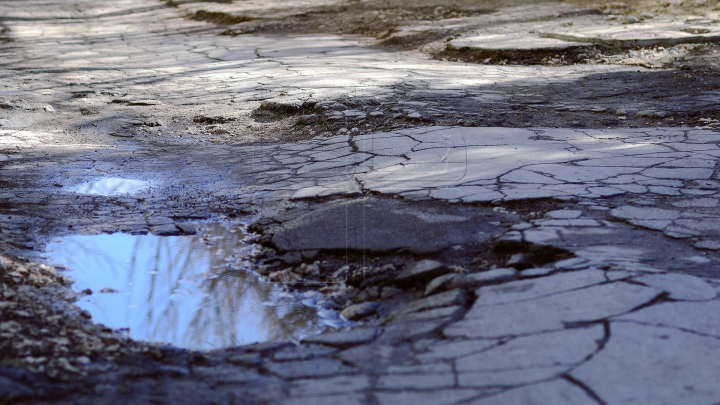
(532, 234)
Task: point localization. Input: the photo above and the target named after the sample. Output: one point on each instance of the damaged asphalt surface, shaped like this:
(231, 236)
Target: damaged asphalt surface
(515, 225)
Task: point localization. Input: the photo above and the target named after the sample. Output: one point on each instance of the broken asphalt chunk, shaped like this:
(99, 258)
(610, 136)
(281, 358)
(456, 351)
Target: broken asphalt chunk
(422, 271)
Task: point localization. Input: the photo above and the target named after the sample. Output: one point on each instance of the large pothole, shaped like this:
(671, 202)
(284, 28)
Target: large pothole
(194, 291)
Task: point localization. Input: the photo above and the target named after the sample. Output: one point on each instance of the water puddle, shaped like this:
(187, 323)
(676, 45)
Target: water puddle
(111, 186)
(191, 291)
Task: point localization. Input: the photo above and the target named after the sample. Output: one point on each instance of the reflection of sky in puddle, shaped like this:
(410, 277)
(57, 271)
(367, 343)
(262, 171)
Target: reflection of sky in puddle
(110, 186)
(182, 289)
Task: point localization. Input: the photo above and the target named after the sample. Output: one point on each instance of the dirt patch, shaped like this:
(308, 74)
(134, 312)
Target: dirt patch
(370, 19)
(573, 55)
(42, 331)
(353, 115)
(408, 27)
(684, 57)
(220, 17)
(204, 119)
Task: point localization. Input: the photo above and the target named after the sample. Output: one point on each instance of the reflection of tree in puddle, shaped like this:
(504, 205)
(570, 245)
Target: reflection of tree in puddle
(228, 297)
(184, 290)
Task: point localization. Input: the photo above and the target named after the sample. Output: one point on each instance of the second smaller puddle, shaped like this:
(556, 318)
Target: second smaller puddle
(191, 291)
(111, 186)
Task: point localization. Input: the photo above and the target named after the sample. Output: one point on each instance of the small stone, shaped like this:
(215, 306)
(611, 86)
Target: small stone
(292, 258)
(415, 115)
(165, 230)
(65, 364)
(631, 19)
(438, 283)
(187, 228)
(70, 295)
(390, 292)
(35, 360)
(108, 290)
(376, 114)
(48, 108)
(517, 260)
(285, 275)
(422, 271)
(309, 254)
(359, 311)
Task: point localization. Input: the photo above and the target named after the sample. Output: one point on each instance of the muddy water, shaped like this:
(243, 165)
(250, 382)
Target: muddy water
(190, 291)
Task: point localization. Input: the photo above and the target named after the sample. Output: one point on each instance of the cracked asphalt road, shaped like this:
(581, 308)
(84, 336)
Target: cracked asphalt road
(499, 233)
